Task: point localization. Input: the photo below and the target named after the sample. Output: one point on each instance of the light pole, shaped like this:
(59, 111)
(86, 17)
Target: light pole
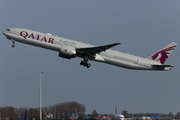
(19, 104)
(40, 104)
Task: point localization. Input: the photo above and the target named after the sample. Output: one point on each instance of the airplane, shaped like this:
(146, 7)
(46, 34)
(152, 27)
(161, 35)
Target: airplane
(118, 116)
(70, 49)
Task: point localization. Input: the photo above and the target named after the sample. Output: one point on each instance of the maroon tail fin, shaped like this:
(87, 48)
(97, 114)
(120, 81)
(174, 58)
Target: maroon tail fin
(162, 55)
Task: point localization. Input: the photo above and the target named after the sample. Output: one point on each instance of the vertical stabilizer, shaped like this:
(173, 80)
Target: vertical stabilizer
(162, 55)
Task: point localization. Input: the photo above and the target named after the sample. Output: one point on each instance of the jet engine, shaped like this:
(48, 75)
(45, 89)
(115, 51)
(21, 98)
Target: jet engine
(67, 52)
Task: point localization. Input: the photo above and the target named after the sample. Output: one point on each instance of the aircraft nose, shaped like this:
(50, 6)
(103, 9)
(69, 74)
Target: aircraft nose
(6, 31)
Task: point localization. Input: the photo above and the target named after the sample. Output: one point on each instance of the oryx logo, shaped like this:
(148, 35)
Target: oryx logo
(163, 54)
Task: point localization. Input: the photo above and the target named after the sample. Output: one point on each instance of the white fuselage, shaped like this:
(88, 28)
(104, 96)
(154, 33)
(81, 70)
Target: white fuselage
(119, 117)
(55, 43)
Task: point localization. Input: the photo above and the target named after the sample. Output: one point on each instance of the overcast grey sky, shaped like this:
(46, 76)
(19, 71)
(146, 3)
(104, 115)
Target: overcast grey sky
(142, 26)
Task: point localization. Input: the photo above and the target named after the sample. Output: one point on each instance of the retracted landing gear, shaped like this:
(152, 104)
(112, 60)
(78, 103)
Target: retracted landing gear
(85, 63)
(13, 45)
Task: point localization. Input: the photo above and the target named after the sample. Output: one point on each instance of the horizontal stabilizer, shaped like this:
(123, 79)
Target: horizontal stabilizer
(162, 67)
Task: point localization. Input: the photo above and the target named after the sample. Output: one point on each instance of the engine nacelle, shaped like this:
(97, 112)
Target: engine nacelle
(67, 52)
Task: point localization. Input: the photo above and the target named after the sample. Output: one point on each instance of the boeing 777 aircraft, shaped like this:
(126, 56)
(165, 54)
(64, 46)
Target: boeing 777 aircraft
(70, 49)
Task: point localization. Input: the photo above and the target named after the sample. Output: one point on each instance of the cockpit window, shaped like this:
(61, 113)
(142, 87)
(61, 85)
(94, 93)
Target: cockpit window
(8, 29)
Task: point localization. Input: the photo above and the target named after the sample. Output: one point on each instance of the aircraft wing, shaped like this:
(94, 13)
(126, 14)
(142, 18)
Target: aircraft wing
(91, 51)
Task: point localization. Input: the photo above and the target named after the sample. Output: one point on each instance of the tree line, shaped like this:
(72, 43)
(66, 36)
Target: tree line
(68, 110)
(64, 110)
